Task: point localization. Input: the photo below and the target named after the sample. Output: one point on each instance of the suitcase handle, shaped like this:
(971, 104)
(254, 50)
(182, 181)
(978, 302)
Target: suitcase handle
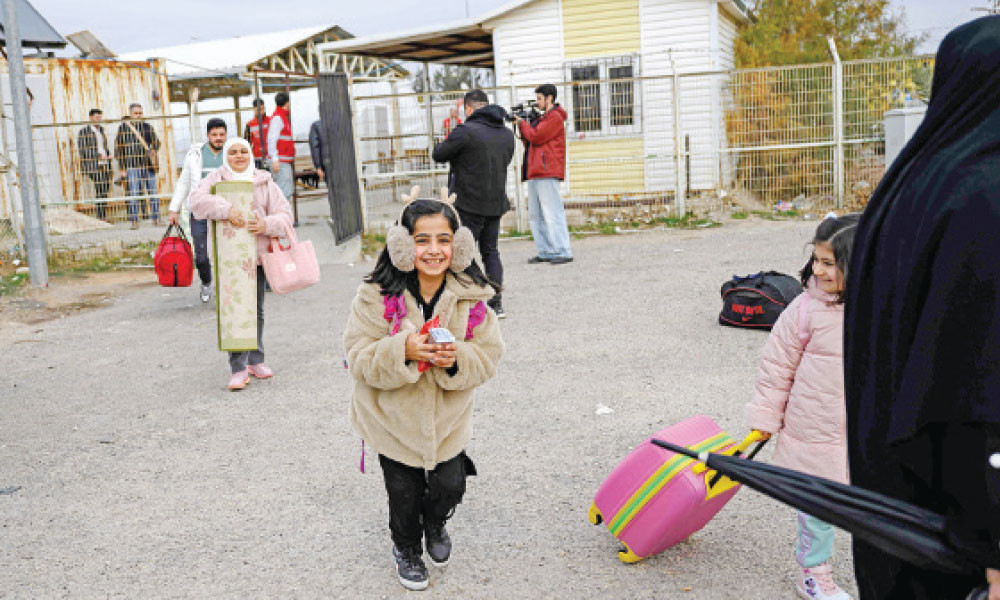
(755, 437)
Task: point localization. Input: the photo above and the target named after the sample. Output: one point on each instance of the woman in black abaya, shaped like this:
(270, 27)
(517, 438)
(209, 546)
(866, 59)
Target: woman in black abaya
(922, 325)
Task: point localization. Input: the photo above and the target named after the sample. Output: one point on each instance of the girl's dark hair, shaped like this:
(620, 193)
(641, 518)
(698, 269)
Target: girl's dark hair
(393, 281)
(838, 232)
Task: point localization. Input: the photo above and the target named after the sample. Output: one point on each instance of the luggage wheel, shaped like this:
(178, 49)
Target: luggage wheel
(627, 556)
(594, 515)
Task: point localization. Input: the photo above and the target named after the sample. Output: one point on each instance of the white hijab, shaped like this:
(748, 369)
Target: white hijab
(246, 175)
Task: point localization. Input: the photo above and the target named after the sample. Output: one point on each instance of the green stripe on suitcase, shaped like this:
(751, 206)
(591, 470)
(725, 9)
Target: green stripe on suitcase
(661, 477)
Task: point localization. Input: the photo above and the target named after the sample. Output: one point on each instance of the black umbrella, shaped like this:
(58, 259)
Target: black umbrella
(915, 535)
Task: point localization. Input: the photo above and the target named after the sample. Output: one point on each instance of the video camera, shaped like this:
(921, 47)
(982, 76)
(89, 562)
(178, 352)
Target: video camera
(526, 111)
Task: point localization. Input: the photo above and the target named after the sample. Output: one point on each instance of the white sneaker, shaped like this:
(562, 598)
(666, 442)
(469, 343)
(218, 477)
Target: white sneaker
(817, 583)
(206, 292)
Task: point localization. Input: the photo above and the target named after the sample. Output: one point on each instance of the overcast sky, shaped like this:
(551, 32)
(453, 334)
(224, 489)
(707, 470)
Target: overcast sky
(129, 25)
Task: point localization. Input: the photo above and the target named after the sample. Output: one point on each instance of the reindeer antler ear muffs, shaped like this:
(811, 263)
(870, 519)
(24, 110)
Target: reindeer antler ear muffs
(403, 251)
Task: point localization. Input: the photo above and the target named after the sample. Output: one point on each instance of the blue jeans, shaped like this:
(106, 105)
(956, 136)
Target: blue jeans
(548, 219)
(815, 545)
(142, 182)
(285, 178)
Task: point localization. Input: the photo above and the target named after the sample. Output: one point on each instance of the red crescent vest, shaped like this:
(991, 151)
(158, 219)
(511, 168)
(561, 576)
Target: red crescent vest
(256, 143)
(286, 147)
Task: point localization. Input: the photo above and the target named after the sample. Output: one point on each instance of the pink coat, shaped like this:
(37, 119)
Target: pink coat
(268, 201)
(800, 388)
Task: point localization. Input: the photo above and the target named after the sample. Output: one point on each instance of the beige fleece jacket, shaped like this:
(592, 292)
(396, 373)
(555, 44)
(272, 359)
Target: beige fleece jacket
(418, 419)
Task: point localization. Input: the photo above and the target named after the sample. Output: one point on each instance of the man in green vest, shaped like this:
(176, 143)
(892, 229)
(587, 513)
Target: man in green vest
(201, 160)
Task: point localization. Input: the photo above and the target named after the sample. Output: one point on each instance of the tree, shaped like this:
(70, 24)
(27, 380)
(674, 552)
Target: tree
(794, 31)
(452, 78)
(792, 108)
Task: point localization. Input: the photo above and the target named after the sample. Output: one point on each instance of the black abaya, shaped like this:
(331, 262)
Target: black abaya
(922, 323)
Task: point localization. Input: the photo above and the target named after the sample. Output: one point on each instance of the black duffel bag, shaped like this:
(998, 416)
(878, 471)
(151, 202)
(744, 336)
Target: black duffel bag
(756, 301)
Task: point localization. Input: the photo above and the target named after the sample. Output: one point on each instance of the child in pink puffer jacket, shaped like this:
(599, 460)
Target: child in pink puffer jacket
(800, 393)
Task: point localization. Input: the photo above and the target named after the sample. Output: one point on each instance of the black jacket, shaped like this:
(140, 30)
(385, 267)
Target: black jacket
(90, 150)
(316, 145)
(479, 151)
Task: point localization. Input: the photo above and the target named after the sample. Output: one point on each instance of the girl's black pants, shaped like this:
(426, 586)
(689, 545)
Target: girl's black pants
(419, 498)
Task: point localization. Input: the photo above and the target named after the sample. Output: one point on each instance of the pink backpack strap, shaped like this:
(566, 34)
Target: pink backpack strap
(395, 311)
(476, 316)
(804, 319)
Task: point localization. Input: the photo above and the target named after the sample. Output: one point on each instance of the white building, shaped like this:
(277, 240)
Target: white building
(613, 62)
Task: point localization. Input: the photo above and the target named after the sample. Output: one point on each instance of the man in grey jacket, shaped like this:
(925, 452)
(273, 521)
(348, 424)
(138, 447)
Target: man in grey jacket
(201, 160)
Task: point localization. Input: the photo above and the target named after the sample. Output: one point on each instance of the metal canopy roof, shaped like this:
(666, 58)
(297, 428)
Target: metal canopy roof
(464, 43)
(225, 68)
(35, 30)
(467, 42)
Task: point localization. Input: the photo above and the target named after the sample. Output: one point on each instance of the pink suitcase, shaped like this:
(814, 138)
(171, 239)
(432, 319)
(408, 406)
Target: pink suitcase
(655, 498)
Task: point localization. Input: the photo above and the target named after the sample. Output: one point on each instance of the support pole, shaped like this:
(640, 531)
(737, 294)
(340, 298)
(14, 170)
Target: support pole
(678, 142)
(363, 183)
(522, 213)
(838, 124)
(194, 124)
(295, 188)
(9, 174)
(430, 125)
(34, 234)
(239, 115)
(396, 141)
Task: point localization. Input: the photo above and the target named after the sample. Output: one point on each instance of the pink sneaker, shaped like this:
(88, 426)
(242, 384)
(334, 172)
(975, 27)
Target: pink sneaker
(238, 381)
(817, 583)
(261, 371)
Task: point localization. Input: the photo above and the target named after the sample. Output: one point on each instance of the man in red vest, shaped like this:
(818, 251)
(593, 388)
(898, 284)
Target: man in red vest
(255, 128)
(280, 147)
(451, 122)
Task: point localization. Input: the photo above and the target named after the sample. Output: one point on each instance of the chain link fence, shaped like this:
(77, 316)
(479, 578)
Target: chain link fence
(101, 179)
(647, 147)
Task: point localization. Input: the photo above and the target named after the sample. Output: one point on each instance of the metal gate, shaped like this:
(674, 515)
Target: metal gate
(337, 131)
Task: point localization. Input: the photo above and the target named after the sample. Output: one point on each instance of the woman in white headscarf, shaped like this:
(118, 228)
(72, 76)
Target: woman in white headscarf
(272, 215)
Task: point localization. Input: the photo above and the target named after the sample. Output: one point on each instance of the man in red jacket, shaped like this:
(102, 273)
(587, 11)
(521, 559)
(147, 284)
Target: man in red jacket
(546, 168)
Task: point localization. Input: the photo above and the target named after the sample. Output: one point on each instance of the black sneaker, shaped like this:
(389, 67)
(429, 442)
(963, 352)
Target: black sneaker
(497, 307)
(438, 544)
(561, 260)
(534, 260)
(410, 568)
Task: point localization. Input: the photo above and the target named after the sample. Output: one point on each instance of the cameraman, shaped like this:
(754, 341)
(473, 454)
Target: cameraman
(479, 150)
(546, 168)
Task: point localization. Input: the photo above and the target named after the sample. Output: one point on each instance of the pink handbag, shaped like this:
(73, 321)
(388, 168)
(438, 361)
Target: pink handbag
(292, 267)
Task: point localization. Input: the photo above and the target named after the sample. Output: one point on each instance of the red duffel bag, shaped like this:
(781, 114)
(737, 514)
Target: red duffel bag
(174, 260)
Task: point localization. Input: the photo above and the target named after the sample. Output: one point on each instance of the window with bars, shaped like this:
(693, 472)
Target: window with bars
(605, 95)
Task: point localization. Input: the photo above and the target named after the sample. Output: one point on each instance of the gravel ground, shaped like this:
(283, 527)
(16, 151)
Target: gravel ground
(141, 477)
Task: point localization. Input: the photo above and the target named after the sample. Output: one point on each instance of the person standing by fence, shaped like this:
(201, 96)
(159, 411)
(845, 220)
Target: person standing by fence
(479, 152)
(546, 168)
(316, 149)
(256, 132)
(201, 160)
(95, 159)
(281, 147)
(136, 147)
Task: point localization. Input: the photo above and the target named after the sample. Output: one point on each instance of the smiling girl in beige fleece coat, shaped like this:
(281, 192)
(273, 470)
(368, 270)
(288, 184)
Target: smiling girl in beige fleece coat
(420, 422)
